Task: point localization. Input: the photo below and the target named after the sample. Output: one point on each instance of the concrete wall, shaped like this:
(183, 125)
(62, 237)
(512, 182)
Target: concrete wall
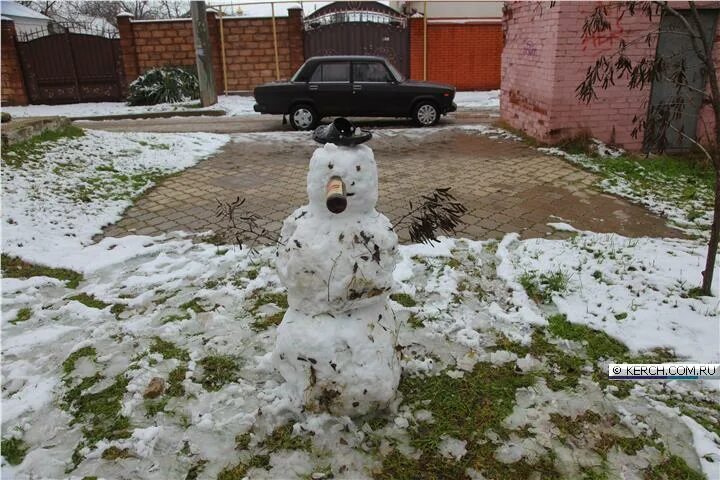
(544, 61)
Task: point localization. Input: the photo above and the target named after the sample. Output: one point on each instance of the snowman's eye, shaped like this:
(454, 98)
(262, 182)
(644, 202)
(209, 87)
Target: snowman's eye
(357, 167)
(330, 166)
(352, 184)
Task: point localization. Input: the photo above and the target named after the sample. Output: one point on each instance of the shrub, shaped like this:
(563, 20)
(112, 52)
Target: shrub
(164, 85)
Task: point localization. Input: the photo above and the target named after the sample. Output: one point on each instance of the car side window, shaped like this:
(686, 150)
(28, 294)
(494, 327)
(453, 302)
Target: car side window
(370, 72)
(331, 72)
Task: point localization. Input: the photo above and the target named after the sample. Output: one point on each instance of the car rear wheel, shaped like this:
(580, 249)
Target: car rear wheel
(426, 114)
(303, 117)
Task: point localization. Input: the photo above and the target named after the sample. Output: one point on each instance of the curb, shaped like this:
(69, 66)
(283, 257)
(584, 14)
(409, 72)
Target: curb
(135, 116)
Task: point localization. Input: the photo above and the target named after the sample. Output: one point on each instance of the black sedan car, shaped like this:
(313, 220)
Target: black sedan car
(361, 86)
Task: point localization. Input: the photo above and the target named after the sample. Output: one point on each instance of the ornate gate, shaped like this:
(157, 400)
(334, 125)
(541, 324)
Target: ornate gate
(359, 28)
(70, 67)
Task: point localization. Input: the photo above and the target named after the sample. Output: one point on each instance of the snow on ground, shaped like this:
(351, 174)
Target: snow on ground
(56, 201)
(488, 387)
(636, 290)
(233, 105)
(486, 99)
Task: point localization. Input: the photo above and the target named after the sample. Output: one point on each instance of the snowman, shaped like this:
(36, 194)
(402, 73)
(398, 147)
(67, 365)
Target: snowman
(336, 345)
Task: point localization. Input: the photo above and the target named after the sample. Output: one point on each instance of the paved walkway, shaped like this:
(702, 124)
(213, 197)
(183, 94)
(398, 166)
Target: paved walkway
(507, 186)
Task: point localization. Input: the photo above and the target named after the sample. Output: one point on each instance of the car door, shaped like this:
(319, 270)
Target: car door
(330, 89)
(374, 89)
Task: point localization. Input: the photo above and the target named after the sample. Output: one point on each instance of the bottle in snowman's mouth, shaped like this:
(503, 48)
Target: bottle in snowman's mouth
(335, 196)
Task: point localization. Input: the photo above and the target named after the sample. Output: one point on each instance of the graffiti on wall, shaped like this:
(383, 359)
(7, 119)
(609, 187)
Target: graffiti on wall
(607, 37)
(529, 48)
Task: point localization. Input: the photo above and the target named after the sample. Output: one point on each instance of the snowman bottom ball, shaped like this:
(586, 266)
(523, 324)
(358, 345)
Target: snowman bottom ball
(344, 364)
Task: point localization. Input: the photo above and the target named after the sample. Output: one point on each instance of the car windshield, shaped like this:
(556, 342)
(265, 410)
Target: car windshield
(396, 74)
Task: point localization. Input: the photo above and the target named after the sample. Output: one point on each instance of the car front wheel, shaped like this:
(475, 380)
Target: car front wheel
(303, 117)
(426, 114)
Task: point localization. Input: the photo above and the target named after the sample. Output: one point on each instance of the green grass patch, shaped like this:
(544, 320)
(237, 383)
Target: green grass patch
(242, 441)
(174, 318)
(542, 287)
(115, 453)
(415, 322)
(573, 427)
(279, 299)
(23, 315)
(282, 438)
(114, 185)
(99, 412)
(196, 469)
(453, 263)
(218, 370)
(69, 363)
(14, 450)
(599, 344)
(169, 350)
(18, 154)
(239, 471)
(463, 408)
(176, 377)
(403, 299)
(153, 407)
(193, 305)
(13, 267)
(89, 301)
(268, 321)
(117, 309)
(565, 369)
(673, 468)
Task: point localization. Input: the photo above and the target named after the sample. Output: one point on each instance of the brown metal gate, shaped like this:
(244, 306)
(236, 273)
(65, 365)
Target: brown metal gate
(359, 28)
(70, 67)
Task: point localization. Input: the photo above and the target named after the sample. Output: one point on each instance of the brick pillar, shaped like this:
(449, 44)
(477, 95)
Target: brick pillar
(216, 47)
(11, 78)
(128, 54)
(416, 47)
(296, 38)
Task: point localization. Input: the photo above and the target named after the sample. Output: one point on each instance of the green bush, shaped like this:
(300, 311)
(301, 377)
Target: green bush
(164, 85)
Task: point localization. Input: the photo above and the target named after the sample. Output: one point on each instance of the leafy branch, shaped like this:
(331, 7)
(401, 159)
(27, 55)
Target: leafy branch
(437, 212)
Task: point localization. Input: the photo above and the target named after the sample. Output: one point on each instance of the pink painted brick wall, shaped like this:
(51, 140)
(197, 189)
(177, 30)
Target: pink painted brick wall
(545, 59)
(528, 64)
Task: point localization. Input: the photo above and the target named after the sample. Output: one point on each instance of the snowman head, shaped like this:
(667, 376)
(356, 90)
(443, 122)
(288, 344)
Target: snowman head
(355, 166)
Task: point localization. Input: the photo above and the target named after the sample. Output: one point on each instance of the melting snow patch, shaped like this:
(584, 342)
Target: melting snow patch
(54, 205)
(452, 447)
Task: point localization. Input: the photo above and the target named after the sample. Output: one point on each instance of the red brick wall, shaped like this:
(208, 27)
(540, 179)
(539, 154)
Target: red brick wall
(11, 77)
(250, 53)
(249, 50)
(466, 55)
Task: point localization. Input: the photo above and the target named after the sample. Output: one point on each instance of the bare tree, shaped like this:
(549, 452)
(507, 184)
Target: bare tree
(46, 8)
(72, 12)
(661, 122)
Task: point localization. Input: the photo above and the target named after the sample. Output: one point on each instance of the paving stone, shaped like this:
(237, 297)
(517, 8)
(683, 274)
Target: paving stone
(506, 186)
